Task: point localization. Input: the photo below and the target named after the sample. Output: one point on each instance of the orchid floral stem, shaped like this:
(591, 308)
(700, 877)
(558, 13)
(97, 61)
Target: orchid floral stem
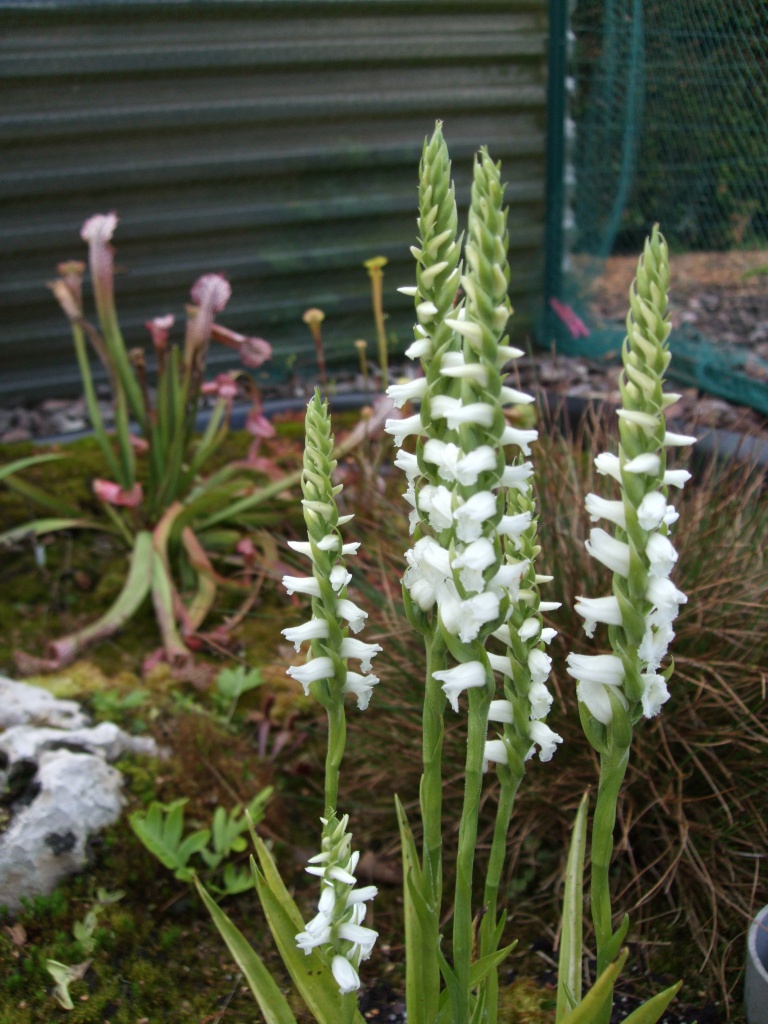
(507, 794)
(337, 738)
(613, 767)
(432, 781)
(463, 930)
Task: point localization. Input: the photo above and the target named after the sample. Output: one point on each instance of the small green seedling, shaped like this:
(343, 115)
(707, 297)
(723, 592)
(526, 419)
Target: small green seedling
(161, 830)
(85, 933)
(231, 684)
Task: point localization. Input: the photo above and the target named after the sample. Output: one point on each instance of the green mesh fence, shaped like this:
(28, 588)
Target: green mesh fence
(667, 121)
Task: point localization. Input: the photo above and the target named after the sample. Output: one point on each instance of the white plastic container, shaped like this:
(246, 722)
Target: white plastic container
(756, 980)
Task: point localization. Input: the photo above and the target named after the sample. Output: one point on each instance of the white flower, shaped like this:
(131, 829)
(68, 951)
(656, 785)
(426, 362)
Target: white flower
(475, 558)
(501, 711)
(608, 465)
(508, 395)
(548, 634)
(648, 462)
(655, 693)
(344, 974)
(676, 477)
(611, 552)
(426, 311)
(599, 508)
(302, 585)
(495, 751)
(468, 675)
(530, 628)
(514, 526)
(366, 892)
(365, 938)
(516, 476)
(655, 644)
(311, 672)
(339, 578)
(420, 349)
(598, 703)
(652, 510)
(466, 328)
(546, 739)
(473, 513)
(436, 503)
(361, 686)
(598, 609)
(315, 629)
(596, 668)
(539, 665)
(317, 932)
(661, 555)
(522, 438)
(677, 440)
(453, 465)
(456, 412)
(349, 610)
(408, 464)
(402, 428)
(464, 618)
(453, 364)
(358, 649)
(402, 393)
(665, 598)
(645, 420)
(501, 662)
(541, 700)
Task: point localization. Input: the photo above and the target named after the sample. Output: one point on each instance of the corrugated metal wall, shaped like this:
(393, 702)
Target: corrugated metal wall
(276, 142)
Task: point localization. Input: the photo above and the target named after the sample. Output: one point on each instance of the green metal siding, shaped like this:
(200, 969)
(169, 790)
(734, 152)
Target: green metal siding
(275, 142)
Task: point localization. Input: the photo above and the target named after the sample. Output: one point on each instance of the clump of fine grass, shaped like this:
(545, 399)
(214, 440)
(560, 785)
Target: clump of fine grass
(691, 842)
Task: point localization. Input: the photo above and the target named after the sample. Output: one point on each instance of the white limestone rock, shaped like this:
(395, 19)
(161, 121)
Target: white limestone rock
(79, 795)
(62, 788)
(22, 704)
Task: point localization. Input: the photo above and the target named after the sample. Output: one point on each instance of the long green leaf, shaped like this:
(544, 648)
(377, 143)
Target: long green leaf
(310, 975)
(651, 1011)
(415, 994)
(128, 601)
(41, 527)
(40, 497)
(271, 1000)
(91, 401)
(275, 882)
(31, 460)
(571, 936)
(590, 1007)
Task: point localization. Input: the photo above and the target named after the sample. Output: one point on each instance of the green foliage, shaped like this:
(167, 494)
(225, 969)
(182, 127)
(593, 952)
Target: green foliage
(85, 935)
(231, 684)
(161, 829)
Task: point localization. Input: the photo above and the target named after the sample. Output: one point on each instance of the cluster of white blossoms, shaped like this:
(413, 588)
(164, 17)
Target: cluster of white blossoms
(645, 602)
(330, 647)
(467, 565)
(337, 929)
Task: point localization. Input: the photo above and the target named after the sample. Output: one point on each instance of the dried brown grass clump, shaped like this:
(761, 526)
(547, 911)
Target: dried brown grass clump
(691, 842)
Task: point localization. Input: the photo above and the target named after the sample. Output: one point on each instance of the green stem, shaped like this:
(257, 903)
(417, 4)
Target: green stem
(337, 738)
(463, 932)
(507, 794)
(432, 781)
(431, 799)
(613, 767)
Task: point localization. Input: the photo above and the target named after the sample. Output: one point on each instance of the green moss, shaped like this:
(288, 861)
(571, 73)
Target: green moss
(526, 1002)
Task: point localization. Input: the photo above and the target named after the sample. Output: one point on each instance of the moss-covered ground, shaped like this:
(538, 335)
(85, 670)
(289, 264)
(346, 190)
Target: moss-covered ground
(156, 956)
